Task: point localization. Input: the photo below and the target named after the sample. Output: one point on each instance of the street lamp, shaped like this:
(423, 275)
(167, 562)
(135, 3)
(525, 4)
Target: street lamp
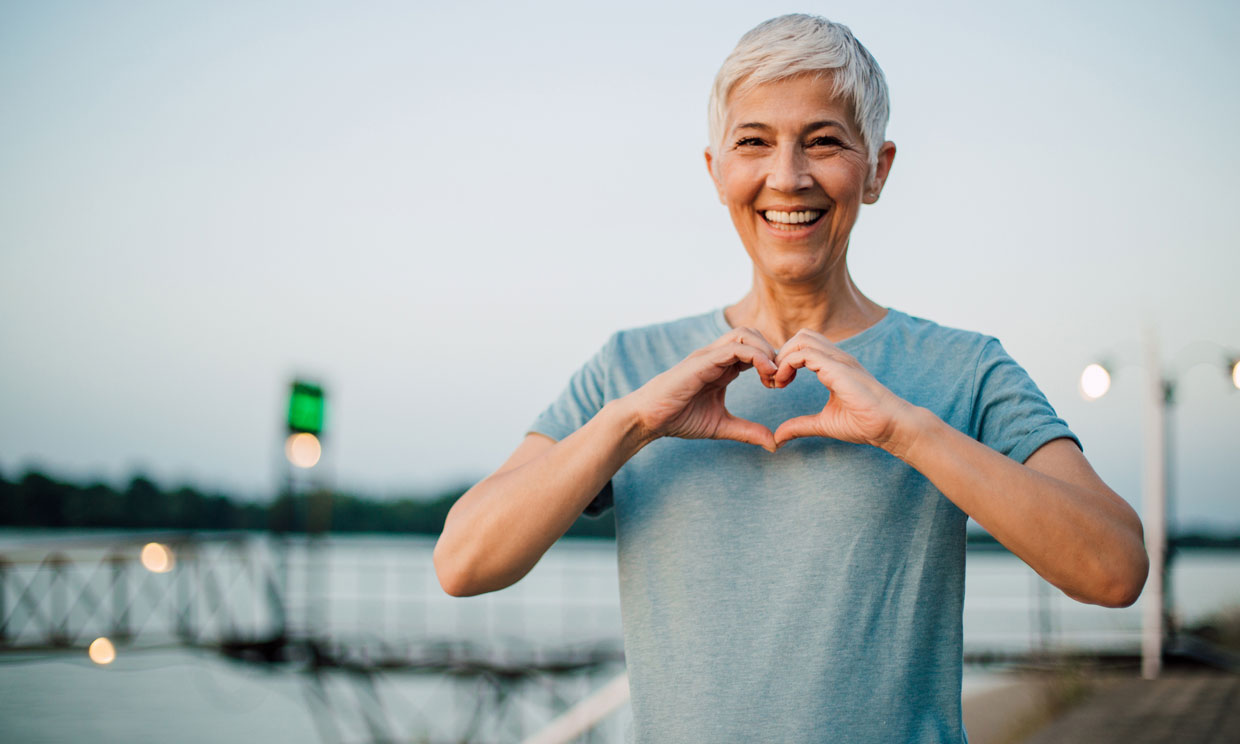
(1095, 381)
(1159, 403)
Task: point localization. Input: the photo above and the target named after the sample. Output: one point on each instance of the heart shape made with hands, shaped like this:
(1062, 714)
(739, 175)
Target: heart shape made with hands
(859, 410)
(752, 432)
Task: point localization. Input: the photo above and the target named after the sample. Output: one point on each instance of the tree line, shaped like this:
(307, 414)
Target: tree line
(37, 500)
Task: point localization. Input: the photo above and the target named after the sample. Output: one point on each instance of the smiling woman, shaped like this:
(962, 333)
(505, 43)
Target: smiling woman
(793, 172)
(792, 562)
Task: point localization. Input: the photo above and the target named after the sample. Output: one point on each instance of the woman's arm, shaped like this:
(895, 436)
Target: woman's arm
(498, 530)
(1054, 512)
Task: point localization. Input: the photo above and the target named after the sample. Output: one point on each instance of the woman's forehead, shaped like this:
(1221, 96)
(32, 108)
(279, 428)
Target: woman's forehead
(796, 101)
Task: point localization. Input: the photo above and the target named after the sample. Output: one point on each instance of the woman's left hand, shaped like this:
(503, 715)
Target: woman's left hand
(861, 410)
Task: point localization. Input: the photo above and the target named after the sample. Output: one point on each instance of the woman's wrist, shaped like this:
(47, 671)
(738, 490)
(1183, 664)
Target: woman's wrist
(912, 428)
(625, 415)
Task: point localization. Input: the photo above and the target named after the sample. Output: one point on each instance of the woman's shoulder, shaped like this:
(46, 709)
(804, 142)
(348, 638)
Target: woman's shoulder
(928, 345)
(926, 334)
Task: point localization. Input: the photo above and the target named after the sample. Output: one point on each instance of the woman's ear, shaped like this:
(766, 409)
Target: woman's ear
(882, 168)
(714, 178)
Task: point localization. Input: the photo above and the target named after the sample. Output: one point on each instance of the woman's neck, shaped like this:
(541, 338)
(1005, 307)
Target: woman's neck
(836, 309)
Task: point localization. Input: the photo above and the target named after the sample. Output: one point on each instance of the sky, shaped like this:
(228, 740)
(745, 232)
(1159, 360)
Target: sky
(440, 210)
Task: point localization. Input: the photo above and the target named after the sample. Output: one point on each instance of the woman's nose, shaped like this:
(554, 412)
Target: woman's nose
(789, 171)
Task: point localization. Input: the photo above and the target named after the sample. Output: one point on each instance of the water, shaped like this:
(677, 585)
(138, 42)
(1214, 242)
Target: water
(382, 592)
(151, 696)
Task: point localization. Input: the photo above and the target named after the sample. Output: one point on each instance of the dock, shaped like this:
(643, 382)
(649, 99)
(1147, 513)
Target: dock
(1185, 707)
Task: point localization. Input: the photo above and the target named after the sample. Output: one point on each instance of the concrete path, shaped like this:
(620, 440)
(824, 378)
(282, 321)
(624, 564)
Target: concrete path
(1182, 707)
(997, 715)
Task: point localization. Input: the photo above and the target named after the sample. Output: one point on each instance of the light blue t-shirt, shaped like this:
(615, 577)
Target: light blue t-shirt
(813, 594)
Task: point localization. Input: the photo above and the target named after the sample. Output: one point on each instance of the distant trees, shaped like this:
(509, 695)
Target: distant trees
(37, 500)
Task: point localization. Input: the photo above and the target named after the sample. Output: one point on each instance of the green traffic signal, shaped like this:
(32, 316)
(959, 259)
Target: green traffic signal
(305, 408)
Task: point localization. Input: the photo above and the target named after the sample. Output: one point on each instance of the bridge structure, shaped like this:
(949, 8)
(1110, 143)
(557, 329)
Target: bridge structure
(356, 618)
(63, 595)
(267, 600)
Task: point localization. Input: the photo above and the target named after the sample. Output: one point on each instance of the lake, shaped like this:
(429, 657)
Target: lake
(375, 592)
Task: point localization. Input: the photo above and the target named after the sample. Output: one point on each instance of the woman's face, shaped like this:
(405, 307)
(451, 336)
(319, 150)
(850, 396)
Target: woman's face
(792, 170)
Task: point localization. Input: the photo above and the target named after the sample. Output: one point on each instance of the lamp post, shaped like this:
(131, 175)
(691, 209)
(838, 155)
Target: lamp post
(1159, 397)
(308, 504)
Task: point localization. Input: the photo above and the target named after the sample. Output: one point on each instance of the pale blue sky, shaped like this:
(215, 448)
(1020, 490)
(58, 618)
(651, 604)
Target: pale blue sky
(440, 209)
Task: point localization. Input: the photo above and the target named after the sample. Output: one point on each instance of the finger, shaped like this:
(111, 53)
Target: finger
(744, 430)
(746, 335)
(805, 340)
(750, 337)
(791, 361)
(730, 374)
(821, 363)
(754, 337)
(730, 353)
(795, 428)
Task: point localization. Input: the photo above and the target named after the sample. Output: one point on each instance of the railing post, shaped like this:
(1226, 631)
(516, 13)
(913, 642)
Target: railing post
(187, 557)
(58, 623)
(275, 592)
(120, 597)
(4, 608)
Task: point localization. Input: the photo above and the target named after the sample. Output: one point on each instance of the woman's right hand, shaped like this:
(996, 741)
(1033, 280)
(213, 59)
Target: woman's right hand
(497, 531)
(687, 401)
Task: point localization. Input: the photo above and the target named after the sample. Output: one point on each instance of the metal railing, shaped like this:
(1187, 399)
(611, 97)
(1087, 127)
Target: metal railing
(66, 593)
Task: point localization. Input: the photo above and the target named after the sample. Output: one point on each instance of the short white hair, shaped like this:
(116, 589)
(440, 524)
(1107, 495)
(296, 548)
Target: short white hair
(799, 44)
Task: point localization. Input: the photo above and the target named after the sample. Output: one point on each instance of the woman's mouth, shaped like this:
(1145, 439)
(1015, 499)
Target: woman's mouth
(791, 221)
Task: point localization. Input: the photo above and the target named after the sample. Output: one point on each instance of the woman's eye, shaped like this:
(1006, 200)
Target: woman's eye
(749, 142)
(825, 142)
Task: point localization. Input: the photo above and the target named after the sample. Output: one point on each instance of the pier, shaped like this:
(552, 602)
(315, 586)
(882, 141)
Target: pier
(1182, 706)
(265, 600)
(353, 619)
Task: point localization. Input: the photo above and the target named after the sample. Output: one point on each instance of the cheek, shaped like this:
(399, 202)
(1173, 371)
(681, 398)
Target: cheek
(736, 184)
(849, 178)
(738, 194)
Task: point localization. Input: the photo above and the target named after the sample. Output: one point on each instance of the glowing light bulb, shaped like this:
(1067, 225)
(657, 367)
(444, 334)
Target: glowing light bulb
(102, 651)
(303, 449)
(1095, 382)
(1235, 374)
(157, 558)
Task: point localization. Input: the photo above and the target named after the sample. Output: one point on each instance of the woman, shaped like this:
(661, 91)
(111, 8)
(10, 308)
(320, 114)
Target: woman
(792, 563)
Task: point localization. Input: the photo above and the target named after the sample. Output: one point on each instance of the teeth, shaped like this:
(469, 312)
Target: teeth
(792, 218)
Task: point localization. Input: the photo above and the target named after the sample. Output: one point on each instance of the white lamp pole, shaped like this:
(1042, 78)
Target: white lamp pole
(1159, 397)
(1155, 508)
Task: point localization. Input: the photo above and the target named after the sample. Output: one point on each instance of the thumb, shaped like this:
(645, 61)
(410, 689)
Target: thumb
(795, 428)
(743, 430)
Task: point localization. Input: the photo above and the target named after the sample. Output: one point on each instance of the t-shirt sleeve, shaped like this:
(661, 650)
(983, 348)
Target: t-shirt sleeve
(581, 399)
(1010, 413)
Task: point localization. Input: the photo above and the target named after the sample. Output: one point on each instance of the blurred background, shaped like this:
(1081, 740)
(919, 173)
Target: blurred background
(434, 213)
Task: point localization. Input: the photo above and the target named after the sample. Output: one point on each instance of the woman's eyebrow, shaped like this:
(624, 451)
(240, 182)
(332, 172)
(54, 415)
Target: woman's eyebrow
(826, 124)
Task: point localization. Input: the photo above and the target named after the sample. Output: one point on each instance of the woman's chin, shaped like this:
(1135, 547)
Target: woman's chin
(794, 269)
